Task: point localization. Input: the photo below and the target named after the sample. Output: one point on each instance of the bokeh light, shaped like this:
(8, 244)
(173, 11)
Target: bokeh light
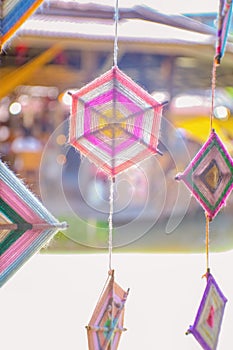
(61, 159)
(15, 108)
(61, 139)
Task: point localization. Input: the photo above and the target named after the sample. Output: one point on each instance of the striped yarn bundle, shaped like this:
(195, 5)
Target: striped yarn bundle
(13, 14)
(114, 122)
(25, 224)
(224, 21)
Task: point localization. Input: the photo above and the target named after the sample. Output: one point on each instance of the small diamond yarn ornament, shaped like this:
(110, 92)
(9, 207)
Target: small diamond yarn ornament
(106, 325)
(207, 324)
(209, 176)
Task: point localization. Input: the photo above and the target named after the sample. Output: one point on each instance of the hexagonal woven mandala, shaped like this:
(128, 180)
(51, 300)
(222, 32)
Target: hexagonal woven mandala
(114, 122)
(209, 176)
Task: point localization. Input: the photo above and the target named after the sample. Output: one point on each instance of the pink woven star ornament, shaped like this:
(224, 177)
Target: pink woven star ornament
(206, 327)
(209, 176)
(114, 122)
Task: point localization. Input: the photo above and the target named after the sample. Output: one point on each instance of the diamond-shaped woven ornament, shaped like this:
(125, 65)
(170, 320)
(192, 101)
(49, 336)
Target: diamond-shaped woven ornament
(25, 224)
(206, 327)
(106, 325)
(209, 176)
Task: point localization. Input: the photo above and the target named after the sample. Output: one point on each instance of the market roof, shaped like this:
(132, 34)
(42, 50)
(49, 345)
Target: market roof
(76, 23)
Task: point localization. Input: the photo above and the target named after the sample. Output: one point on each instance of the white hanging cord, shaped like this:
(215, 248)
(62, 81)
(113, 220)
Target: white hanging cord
(110, 222)
(213, 88)
(116, 17)
(207, 242)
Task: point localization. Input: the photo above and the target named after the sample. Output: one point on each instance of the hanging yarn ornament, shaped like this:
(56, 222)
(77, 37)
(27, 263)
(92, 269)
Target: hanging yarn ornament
(25, 224)
(114, 122)
(209, 176)
(106, 324)
(207, 324)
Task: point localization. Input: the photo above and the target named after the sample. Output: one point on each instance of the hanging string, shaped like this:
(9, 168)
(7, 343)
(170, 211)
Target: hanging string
(207, 243)
(116, 17)
(213, 88)
(110, 222)
(216, 62)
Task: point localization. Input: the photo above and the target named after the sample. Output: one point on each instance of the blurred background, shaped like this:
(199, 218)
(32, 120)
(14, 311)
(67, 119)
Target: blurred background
(167, 47)
(169, 52)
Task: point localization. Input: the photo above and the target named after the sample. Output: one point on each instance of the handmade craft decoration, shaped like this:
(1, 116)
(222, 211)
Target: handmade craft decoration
(25, 224)
(115, 124)
(106, 324)
(208, 321)
(13, 15)
(209, 177)
(224, 20)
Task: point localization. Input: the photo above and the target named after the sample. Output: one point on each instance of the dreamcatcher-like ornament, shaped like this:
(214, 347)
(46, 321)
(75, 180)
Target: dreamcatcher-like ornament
(106, 324)
(209, 177)
(25, 224)
(115, 124)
